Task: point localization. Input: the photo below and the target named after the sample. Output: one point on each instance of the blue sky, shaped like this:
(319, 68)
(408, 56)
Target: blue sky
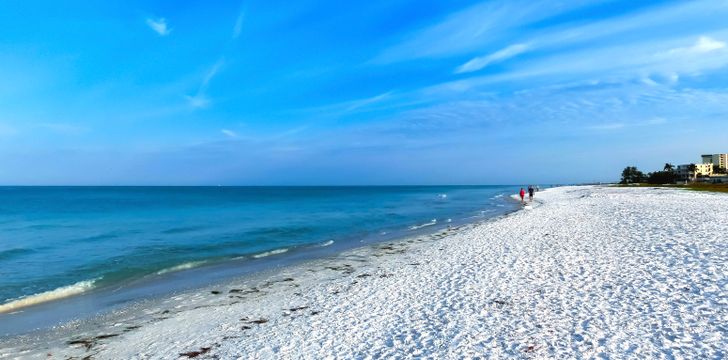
(331, 92)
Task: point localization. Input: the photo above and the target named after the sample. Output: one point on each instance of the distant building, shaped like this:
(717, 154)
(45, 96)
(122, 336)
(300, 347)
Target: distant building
(683, 171)
(718, 160)
(717, 179)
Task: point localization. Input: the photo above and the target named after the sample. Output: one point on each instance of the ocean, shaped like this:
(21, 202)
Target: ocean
(59, 242)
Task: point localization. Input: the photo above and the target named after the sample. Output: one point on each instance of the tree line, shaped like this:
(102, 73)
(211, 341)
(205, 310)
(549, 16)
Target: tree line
(632, 175)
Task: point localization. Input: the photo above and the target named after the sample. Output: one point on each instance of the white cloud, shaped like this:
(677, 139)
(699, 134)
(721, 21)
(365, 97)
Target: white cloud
(238, 25)
(356, 104)
(667, 59)
(704, 44)
(482, 61)
(200, 99)
(159, 26)
(474, 27)
(620, 125)
(210, 74)
(230, 133)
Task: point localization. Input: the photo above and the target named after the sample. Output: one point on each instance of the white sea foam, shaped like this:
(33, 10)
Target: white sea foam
(326, 243)
(415, 227)
(269, 253)
(185, 266)
(59, 293)
(442, 196)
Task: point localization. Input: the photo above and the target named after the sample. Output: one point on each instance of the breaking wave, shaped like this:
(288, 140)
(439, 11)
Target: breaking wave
(59, 293)
(185, 266)
(415, 227)
(269, 253)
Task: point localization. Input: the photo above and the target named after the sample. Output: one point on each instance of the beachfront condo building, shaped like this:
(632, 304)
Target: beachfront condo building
(683, 171)
(718, 160)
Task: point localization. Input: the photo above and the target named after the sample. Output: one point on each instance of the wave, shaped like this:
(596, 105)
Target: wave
(269, 253)
(98, 237)
(185, 266)
(9, 254)
(59, 293)
(326, 243)
(442, 196)
(498, 196)
(181, 230)
(415, 227)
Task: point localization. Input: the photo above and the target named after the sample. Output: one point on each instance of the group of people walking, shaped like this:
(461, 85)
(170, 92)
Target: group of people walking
(531, 191)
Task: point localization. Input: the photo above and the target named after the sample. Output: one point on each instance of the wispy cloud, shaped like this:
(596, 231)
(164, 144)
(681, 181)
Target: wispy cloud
(704, 44)
(230, 133)
(475, 28)
(200, 98)
(356, 104)
(159, 26)
(621, 125)
(198, 101)
(480, 62)
(669, 59)
(238, 27)
(349, 107)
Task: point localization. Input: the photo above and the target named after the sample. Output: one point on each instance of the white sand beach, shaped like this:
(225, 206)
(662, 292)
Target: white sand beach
(587, 272)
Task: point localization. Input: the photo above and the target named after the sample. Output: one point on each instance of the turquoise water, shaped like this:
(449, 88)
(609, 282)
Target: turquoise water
(92, 237)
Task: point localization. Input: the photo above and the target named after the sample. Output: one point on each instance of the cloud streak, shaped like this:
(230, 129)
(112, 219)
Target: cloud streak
(703, 45)
(230, 133)
(481, 62)
(238, 27)
(474, 28)
(200, 100)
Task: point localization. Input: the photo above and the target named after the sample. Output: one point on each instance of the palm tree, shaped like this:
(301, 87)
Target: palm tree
(669, 167)
(692, 168)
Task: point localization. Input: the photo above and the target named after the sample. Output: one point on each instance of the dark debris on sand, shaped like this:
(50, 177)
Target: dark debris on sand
(194, 354)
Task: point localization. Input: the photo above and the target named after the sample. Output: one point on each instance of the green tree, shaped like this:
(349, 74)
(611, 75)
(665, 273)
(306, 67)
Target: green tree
(669, 167)
(661, 177)
(720, 170)
(631, 175)
(692, 168)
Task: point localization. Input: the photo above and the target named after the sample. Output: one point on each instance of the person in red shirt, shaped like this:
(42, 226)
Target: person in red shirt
(523, 194)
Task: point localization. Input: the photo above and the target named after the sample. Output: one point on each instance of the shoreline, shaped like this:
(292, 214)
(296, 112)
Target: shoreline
(588, 272)
(148, 310)
(102, 302)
